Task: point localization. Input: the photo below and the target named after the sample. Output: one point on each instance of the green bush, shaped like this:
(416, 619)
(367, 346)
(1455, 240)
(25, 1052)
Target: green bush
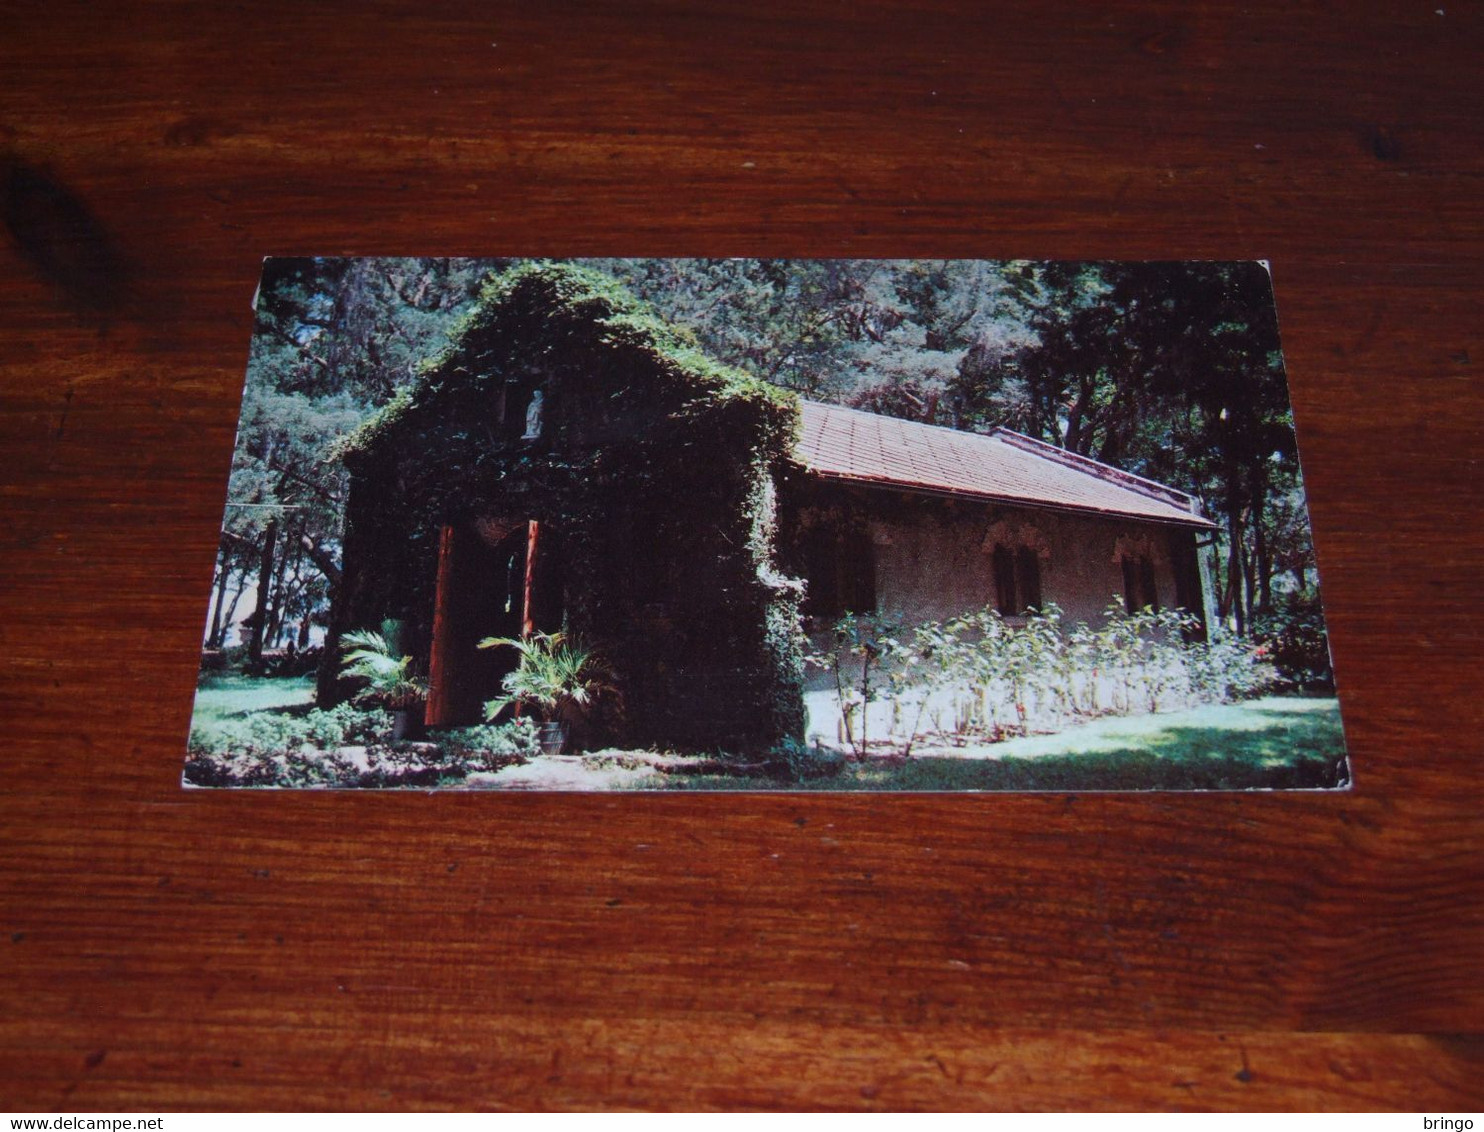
(489, 746)
(282, 733)
(346, 746)
(387, 676)
(1293, 639)
(804, 762)
(980, 676)
(230, 659)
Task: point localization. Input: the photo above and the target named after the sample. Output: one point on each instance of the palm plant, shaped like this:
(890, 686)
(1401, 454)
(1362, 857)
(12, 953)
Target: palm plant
(371, 657)
(557, 679)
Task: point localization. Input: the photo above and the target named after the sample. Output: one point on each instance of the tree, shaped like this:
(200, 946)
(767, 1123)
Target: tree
(1173, 371)
(888, 335)
(333, 339)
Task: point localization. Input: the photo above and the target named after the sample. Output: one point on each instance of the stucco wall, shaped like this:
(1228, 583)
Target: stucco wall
(940, 564)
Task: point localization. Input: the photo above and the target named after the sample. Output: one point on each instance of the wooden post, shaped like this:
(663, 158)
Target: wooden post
(528, 609)
(436, 711)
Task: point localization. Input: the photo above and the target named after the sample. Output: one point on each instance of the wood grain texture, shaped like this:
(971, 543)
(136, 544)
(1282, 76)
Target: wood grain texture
(165, 949)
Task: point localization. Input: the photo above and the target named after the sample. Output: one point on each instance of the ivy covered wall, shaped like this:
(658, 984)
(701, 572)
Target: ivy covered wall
(563, 399)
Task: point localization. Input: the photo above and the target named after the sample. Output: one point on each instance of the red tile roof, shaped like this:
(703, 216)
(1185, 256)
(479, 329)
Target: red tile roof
(1001, 466)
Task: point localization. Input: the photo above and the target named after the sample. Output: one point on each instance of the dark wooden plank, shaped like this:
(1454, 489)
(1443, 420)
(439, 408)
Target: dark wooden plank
(281, 950)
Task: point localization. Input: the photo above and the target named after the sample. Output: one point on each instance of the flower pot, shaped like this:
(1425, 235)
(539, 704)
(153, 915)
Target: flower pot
(407, 723)
(552, 737)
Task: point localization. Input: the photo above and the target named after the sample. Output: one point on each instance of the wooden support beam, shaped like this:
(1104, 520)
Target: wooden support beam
(528, 608)
(440, 658)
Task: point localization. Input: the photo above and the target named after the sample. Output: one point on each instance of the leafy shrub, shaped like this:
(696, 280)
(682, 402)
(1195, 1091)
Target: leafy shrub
(554, 676)
(489, 746)
(293, 662)
(229, 659)
(858, 646)
(398, 765)
(1293, 638)
(804, 762)
(978, 677)
(346, 746)
(388, 677)
(286, 748)
(278, 732)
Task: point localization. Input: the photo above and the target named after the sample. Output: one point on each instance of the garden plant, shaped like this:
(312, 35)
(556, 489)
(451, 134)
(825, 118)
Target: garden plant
(983, 678)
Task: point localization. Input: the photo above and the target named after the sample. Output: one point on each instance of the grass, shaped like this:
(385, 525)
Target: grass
(1274, 744)
(221, 696)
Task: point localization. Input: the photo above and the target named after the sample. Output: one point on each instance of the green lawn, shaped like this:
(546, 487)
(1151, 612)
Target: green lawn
(1274, 743)
(221, 697)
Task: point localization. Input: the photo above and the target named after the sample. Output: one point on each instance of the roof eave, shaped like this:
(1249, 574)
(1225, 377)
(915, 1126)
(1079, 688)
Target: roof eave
(1193, 521)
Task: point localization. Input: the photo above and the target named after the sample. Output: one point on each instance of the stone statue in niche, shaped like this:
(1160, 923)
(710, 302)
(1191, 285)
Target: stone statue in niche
(533, 417)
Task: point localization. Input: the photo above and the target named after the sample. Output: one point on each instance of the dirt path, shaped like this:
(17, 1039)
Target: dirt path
(567, 772)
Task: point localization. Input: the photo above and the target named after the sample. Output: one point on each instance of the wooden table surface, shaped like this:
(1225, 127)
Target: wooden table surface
(244, 950)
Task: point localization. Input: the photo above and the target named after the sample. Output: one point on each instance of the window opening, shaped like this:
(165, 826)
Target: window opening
(1017, 580)
(840, 568)
(1139, 590)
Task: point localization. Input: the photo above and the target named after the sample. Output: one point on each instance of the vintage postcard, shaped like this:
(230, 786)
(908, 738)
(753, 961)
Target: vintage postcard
(729, 524)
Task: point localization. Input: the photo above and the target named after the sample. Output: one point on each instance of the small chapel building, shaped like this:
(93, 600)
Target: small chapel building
(573, 463)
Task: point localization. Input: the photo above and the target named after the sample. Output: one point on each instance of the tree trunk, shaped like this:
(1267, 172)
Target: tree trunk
(1262, 556)
(1073, 438)
(280, 595)
(1234, 570)
(232, 606)
(214, 637)
(1218, 580)
(321, 558)
(1264, 570)
(265, 582)
(1249, 579)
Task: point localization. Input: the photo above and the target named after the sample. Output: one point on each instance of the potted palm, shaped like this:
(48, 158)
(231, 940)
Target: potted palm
(390, 682)
(558, 680)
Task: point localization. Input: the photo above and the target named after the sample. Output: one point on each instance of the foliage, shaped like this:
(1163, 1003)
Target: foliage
(490, 745)
(389, 678)
(883, 334)
(292, 661)
(806, 762)
(1172, 371)
(333, 339)
(343, 746)
(269, 733)
(555, 677)
(858, 644)
(978, 677)
(1294, 640)
(539, 306)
